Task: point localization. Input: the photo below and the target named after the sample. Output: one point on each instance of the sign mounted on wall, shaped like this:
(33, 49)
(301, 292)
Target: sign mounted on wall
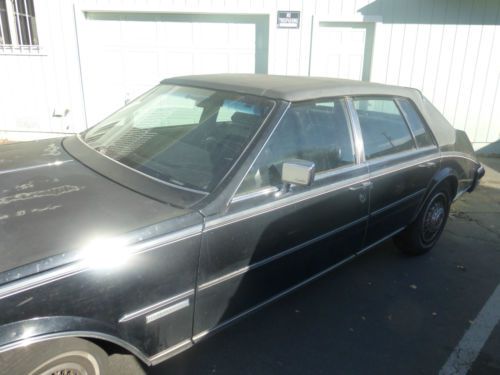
(288, 19)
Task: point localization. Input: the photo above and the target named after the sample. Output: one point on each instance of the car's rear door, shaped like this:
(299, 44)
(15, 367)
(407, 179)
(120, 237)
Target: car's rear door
(269, 241)
(402, 158)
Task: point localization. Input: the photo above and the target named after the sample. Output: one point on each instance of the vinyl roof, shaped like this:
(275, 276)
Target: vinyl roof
(290, 88)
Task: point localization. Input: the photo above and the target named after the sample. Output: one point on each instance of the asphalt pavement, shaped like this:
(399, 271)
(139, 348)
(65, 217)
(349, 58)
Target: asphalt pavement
(383, 313)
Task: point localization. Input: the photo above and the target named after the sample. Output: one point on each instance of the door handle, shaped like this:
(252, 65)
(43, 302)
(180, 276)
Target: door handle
(363, 186)
(428, 164)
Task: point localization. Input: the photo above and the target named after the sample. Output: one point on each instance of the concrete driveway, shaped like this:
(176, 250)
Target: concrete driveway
(384, 313)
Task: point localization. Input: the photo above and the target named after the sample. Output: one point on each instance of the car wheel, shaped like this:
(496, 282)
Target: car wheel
(69, 356)
(421, 236)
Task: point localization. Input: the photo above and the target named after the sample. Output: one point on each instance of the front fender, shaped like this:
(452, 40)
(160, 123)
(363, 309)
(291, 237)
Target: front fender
(25, 332)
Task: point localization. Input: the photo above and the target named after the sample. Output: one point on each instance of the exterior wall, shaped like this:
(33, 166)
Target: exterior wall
(449, 49)
(36, 83)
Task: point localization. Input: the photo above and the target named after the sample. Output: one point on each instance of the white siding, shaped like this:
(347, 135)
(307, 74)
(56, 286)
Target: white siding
(448, 49)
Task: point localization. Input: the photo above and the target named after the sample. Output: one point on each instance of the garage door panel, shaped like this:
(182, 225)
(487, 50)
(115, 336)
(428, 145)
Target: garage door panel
(175, 63)
(124, 55)
(141, 66)
(338, 52)
(241, 35)
(210, 63)
(210, 35)
(175, 34)
(242, 62)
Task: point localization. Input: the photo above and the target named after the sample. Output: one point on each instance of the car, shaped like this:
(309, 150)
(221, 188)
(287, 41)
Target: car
(206, 198)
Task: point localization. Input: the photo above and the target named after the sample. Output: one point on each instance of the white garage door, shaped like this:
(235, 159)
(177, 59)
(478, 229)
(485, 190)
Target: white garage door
(338, 52)
(123, 56)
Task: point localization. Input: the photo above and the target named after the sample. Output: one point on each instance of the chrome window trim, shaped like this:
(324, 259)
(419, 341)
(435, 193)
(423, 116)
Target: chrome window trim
(427, 128)
(234, 194)
(356, 129)
(318, 191)
(286, 201)
(352, 135)
(267, 190)
(405, 119)
(279, 255)
(405, 165)
(148, 309)
(383, 97)
(79, 266)
(337, 171)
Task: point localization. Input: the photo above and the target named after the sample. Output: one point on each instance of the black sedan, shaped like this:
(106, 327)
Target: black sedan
(204, 199)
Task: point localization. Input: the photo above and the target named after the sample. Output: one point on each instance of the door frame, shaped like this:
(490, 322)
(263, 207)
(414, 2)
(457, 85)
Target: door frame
(369, 28)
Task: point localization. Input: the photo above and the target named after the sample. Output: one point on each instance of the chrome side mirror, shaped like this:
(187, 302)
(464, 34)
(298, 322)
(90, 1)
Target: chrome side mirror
(298, 172)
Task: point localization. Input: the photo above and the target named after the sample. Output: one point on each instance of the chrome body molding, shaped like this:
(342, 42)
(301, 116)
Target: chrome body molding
(200, 336)
(206, 333)
(315, 192)
(289, 251)
(404, 165)
(271, 206)
(82, 334)
(170, 352)
(457, 154)
(78, 266)
(167, 311)
(398, 202)
(148, 309)
(148, 360)
(376, 243)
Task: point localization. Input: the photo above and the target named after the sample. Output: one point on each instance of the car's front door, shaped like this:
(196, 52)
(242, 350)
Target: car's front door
(270, 240)
(402, 158)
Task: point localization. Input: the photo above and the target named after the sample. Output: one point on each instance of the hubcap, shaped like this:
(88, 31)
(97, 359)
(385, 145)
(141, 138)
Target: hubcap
(433, 218)
(66, 369)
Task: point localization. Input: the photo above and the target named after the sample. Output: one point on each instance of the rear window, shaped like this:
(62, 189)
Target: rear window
(383, 128)
(417, 125)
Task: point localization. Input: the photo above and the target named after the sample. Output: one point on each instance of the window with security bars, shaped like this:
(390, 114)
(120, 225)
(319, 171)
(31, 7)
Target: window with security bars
(18, 23)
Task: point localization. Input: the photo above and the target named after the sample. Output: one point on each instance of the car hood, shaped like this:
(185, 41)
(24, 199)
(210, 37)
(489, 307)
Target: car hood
(51, 204)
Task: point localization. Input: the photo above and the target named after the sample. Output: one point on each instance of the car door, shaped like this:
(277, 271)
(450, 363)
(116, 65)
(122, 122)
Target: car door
(270, 240)
(402, 158)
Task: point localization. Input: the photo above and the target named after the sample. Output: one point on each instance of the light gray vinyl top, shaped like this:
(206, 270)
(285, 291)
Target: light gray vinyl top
(296, 88)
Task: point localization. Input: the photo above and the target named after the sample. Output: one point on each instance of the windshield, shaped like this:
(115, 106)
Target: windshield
(188, 137)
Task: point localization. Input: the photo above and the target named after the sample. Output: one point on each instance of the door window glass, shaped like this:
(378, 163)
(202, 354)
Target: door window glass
(383, 127)
(314, 131)
(417, 125)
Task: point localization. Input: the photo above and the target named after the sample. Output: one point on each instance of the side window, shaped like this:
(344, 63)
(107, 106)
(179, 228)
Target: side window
(383, 127)
(417, 125)
(314, 131)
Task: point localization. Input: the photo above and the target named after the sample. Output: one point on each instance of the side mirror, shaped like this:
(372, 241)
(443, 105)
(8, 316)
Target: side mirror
(298, 172)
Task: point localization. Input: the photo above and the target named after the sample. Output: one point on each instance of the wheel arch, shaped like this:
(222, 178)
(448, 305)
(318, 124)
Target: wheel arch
(443, 176)
(28, 332)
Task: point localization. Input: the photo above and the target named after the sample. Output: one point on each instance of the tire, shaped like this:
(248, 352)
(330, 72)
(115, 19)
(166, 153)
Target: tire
(62, 356)
(421, 235)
